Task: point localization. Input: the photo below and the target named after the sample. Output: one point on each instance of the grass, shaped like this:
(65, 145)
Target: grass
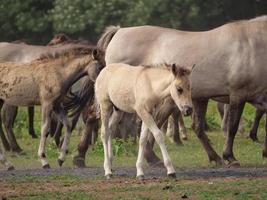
(190, 155)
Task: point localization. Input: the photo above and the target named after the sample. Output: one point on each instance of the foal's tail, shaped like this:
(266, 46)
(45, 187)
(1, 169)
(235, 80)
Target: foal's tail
(75, 103)
(106, 37)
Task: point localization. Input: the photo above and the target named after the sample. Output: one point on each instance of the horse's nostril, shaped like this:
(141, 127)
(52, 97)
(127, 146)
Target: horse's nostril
(188, 110)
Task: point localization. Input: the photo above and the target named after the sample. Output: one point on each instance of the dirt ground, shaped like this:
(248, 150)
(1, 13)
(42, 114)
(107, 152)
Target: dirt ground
(149, 172)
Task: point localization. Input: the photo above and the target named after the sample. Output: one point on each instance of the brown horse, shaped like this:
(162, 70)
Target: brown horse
(231, 66)
(23, 53)
(46, 82)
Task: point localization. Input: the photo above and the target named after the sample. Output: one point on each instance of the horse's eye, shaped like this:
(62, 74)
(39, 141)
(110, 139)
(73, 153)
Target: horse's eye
(180, 90)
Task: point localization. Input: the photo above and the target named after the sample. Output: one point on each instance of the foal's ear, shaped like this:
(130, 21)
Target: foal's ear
(180, 71)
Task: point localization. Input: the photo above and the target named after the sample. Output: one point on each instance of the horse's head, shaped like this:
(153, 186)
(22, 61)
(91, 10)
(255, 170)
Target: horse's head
(97, 64)
(181, 89)
(59, 39)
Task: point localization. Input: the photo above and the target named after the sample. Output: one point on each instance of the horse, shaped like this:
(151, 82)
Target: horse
(22, 53)
(123, 88)
(45, 82)
(63, 39)
(231, 67)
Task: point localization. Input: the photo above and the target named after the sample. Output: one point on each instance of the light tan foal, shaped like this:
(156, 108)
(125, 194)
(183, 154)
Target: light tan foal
(123, 88)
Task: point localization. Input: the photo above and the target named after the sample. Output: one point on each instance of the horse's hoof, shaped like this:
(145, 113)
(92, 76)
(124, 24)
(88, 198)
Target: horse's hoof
(10, 168)
(79, 162)
(141, 177)
(172, 175)
(233, 164)
(109, 176)
(46, 166)
(60, 162)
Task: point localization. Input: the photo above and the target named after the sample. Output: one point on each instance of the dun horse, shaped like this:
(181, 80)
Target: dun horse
(45, 82)
(122, 88)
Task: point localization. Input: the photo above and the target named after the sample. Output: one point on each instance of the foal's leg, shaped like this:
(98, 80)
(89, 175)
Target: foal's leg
(255, 126)
(264, 152)
(31, 121)
(65, 145)
(106, 111)
(9, 114)
(46, 118)
(200, 108)
(141, 151)
(2, 134)
(235, 112)
(151, 124)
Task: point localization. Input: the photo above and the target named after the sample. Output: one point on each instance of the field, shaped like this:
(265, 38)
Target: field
(190, 156)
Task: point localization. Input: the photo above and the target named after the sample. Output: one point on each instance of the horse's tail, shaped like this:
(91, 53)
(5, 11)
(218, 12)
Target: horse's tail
(75, 103)
(106, 37)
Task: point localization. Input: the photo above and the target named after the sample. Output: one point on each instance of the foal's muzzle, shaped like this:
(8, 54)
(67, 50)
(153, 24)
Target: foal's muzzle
(187, 110)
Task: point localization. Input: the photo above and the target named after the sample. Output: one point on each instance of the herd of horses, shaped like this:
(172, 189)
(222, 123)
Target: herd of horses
(143, 75)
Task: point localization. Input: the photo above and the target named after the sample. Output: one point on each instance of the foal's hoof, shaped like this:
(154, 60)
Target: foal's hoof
(10, 168)
(109, 176)
(141, 177)
(46, 166)
(60, 162)
(172, 175)
(79, 162)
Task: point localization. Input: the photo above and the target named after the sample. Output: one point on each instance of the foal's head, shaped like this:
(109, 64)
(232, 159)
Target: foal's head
(181, 89)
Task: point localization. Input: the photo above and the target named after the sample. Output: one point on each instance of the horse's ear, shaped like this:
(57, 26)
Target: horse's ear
(174, 69)
(95, 54)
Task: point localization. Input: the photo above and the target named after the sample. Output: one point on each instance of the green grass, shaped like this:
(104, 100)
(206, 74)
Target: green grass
(190, 155)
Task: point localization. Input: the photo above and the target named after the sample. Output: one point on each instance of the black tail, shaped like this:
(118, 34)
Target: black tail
(74, 103)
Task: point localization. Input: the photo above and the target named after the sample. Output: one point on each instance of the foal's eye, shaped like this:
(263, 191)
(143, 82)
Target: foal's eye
(180, 90)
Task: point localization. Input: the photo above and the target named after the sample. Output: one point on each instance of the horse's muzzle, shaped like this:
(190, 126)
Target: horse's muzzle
(187, 110)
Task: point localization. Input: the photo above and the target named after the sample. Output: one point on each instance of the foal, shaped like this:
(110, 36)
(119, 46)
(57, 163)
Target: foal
(46, 81)
(120, 87)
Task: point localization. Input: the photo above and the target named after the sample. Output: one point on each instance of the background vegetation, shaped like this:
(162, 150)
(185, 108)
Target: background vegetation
(36, 21)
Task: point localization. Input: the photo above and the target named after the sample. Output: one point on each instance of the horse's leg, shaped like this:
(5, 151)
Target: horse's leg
(256, 122)
(46, 119)
(225, 118)
(2, 134)
(220, 108)
(162, 115)
(176, 136)
(264, 152)
(200, 108)
(4, 161)
(182, 128)
(106, 111)
(141, 151)
(235, 112)
(65, 145)
(9, 114)
(31, 121)
(86, 139)
(152, 126)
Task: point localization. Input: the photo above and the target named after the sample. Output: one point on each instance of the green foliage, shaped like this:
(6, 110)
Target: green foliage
(38, 20)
